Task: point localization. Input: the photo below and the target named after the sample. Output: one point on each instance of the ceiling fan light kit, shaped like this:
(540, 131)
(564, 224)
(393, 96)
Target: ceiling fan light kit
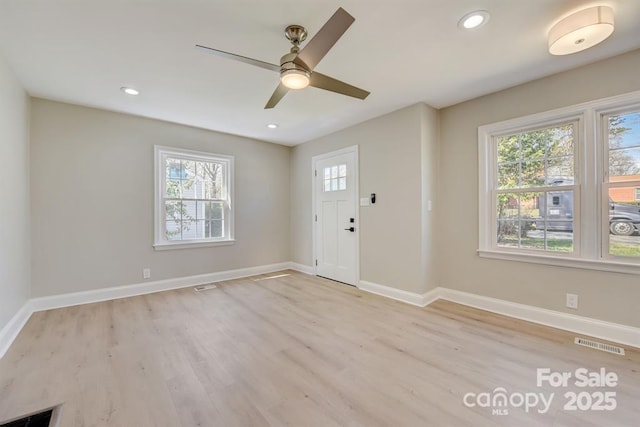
(297, 67)
(581, 30)
(295, 79)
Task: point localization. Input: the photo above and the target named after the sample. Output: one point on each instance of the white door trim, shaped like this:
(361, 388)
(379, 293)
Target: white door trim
(314, 160)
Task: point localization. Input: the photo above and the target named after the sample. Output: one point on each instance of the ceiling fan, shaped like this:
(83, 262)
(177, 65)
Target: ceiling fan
(297, 67)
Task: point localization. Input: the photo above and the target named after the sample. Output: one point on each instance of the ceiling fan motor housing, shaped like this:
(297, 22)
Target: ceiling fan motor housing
(287, 64)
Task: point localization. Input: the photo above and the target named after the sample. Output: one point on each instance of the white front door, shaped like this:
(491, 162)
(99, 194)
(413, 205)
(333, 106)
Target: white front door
(336, 226)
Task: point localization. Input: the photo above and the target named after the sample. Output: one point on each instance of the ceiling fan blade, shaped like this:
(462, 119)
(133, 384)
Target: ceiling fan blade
(240, 58)
(329, 83)
(324, 39)
(278, 94)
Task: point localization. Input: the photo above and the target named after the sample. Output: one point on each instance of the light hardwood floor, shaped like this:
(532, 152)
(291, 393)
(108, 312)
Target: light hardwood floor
(294, 350)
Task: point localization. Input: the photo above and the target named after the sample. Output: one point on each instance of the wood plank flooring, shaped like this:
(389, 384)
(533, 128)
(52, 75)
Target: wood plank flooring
(288, 349)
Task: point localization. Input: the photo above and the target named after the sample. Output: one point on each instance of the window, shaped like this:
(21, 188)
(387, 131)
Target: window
(562, 187)
(335, 178)
(193, 199)
(535, 189)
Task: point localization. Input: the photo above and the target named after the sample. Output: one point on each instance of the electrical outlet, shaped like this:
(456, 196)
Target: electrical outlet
(146, 273)
(572, 301)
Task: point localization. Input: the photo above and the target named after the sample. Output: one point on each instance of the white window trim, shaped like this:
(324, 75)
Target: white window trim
(160, 243)
(589, 248)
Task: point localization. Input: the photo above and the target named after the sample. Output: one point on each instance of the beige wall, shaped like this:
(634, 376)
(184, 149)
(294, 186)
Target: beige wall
(92, 200)
(14, 191)
(607, 296)
(390, 160)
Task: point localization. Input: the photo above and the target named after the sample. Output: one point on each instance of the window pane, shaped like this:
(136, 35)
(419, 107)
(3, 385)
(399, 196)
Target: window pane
(188, 169)
(508, 175)
(173, 210)
(172, 230)
(334, 184)
(173, 168)
(327, 185)
(531, 238)
(200, 229)
(624, 222)
(532, 174)
(560, 171)
(532, 144)
(624, 162)
(216, 211)
(624, 130)
(560, 141)
(173, 189)
(214, 229)
(508, 149)
(508, 220)
(334, 171)
(189, 230)
(342, 183)
(201, 209)
(188, 210)
(536, 220)
(624, 146)
(342, 170)
(327, 173)
(536, 158)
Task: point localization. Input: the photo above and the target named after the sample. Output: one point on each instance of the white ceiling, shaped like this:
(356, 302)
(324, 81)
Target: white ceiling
(403, 51)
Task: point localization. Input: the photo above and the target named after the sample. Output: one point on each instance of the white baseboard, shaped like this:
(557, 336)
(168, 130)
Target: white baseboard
(412, 298)
(306, 269)
(13, 328)
(609, 331)
(582, 325)
(106, 294)
(9, 333)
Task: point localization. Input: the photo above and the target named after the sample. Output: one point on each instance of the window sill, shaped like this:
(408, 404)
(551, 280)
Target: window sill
(588, 264)
(164, 246)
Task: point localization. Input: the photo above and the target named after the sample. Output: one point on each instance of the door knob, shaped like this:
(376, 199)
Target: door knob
(351, 229)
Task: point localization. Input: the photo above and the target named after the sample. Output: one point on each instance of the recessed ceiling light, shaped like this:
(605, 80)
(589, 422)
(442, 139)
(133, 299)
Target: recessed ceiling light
(474, 20)
(129, 90)
(272, 125)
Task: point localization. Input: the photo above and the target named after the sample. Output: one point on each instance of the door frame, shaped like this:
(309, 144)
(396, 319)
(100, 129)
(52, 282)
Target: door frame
(356, 174)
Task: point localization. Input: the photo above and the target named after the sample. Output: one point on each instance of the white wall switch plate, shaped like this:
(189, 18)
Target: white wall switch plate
(146, 273)
(364, 201)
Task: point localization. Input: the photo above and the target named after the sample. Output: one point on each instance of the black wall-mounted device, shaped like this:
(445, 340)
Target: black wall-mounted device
(373, 198)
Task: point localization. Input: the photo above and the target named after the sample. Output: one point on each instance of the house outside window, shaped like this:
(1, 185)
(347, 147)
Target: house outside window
(561, 187)
(193, 198)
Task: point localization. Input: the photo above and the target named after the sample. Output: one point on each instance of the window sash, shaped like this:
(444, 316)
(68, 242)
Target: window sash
(163, 155)
(493, 150)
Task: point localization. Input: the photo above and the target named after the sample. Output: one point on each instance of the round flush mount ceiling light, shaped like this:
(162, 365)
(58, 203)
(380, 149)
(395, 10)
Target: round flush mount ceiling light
(129, 90)
(473, 20)
(272, 125)
(581, 30)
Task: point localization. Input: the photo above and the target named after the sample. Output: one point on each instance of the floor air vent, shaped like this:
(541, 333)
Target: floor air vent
(204, 288)
(46, 418)
(600, 346)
